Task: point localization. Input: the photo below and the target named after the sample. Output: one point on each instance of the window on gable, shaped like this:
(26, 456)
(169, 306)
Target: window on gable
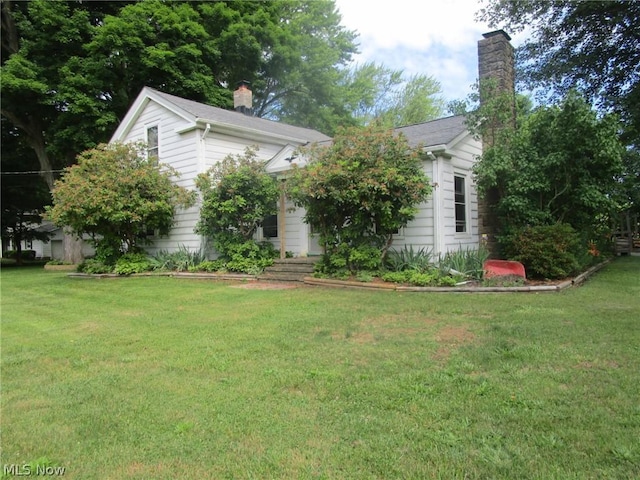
(152, 143)
(460, 202)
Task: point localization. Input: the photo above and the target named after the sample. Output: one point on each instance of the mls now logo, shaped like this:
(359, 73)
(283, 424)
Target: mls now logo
(27, 469)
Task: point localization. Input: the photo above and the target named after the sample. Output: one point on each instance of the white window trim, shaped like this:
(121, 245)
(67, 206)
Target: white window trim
(467, 204)
(147, 127)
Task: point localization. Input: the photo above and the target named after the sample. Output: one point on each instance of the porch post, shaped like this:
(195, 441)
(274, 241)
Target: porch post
(282, 223)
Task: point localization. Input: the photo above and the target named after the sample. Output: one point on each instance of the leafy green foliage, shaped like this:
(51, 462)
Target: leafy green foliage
(546, 251)
(179, 260)
(409, 259)
(94, 266)
(209, 266)
(375, 92)
(428, 278)
(81, 64)
(542, 174)
(237, 194)
(131, 263)
(469, 262)
(248, 257)
(358, 191)
(591, 46)
(115, 195)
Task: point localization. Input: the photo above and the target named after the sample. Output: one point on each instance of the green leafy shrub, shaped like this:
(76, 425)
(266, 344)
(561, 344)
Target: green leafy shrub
(209, 266)
(247, 256)
(179, 260)
(547, 251)
(468, 261)
(397, 277)
(409, 259)
(429, 279)
(25, 254)
(94, 266)
(131, 263)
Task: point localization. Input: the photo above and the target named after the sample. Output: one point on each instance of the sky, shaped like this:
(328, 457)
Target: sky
(438, 38)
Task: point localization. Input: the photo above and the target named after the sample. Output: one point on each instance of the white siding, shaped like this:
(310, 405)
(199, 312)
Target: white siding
(179, 151)
(421, 232)
(461, 164)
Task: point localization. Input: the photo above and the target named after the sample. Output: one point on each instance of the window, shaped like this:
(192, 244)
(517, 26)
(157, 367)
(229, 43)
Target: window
(152, 143)
(270, 226)
(460, 202)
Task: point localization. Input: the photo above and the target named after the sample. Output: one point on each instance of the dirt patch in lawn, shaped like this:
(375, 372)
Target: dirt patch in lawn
(450, 338)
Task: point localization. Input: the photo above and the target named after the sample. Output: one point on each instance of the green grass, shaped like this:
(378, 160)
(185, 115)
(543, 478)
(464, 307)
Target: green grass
(165, 378)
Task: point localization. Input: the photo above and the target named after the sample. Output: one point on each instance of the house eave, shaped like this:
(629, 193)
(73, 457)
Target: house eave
(439, 150)
(242, 132)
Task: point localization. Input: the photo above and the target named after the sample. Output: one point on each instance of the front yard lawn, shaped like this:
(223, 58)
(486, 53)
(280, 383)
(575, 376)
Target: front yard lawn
(162, 378)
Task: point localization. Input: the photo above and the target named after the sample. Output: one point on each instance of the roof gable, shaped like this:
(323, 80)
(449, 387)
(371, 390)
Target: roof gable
(196, 113)
(443, 131)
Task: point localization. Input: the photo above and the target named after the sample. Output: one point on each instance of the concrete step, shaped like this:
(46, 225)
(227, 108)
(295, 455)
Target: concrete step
(283, 276)
(291, 267)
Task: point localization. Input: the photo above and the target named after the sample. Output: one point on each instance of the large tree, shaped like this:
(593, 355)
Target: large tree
(70, 69)
(375, 92)
(358, 191)
(24, 193)
(587, 45)
(559, 164)
(105, 52)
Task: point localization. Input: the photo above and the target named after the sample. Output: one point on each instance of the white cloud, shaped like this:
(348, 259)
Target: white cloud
(435, 37)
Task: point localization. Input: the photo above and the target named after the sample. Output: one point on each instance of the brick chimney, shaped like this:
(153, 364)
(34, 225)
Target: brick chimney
(496, 62)
(243, 98)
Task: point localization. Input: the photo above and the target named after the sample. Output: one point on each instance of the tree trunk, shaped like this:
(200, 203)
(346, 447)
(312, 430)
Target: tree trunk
(71, 248)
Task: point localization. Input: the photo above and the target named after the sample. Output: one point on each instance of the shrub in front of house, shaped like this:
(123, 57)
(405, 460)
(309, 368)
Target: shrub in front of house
(209, 266)
(546, 251)
(131, 263)
(248, 256)
(24, 254)
(180, 260)
(94, 266)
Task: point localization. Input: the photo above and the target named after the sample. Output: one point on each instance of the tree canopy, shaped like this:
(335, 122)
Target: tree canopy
(117, 195)
(591, 46)
(358, 192)
(237, 194)
(375, 92)
(81, 64)
(24, 192)
(558, 165)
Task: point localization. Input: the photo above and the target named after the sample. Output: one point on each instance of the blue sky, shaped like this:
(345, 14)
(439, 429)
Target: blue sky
(438, 38)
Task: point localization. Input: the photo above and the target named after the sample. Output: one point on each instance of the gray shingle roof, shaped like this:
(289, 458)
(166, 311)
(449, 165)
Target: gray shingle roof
(435, 132)
(228, 117)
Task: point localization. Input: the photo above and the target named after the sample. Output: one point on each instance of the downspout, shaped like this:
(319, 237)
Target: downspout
(436, 163)
(202, 150)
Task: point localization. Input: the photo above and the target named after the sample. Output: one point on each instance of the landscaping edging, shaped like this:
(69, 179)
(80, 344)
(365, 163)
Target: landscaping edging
(329, 282)
(198, 275)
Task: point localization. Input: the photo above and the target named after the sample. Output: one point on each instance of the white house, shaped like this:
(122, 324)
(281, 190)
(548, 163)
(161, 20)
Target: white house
(191, 137)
